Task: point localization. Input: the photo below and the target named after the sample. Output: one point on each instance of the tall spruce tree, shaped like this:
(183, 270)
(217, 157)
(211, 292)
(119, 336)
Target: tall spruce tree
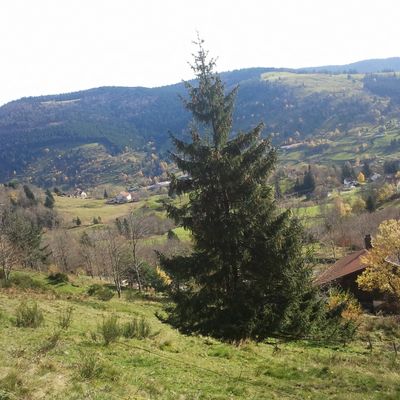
(247, 276)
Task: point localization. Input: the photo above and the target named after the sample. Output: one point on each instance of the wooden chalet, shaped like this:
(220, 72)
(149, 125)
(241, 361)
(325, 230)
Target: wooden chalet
(344, 273)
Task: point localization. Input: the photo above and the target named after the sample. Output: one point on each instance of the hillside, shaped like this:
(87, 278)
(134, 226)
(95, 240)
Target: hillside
(364, 66)
(68, 359)
(78, 138)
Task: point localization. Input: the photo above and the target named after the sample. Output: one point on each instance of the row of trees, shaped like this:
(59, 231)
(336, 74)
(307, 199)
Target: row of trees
(121, 252)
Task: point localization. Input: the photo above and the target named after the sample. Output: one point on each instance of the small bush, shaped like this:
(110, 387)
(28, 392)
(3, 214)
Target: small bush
(101, 292)
(137, 328)
(110, 329)
(351, 307)
(28, 316)
(89, 367)
(57, 278)
(93, 289)
(65, 318)
(24, 281)
(105, 295)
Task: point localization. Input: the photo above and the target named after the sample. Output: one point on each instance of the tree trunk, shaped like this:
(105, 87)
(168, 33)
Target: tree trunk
(138, 278)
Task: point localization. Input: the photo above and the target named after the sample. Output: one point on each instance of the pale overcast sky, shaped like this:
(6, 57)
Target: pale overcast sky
(55, 46)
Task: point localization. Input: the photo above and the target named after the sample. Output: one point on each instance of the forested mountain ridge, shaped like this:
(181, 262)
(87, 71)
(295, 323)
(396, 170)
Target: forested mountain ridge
(45, 139)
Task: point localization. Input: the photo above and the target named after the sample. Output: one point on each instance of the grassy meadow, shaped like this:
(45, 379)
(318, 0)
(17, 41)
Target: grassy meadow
(87, 209)
(49, 362)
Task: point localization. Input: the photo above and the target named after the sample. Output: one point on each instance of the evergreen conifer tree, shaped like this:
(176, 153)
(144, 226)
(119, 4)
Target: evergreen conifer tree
(347, 171)
(366, 170)
(49, 201)
(370, 204)
(309, 181)
(29, 194)
(247, 276)
(49, 194)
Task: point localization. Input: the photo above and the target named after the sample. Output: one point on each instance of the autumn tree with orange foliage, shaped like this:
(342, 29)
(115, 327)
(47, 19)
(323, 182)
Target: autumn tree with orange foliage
(383, 261)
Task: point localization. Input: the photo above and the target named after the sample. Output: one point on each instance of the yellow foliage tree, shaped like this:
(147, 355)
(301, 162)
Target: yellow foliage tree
(385, 192)
(361, 178)
(358, 205)
(165, 278)
(382, 261)
(352, 310)
(343, 209)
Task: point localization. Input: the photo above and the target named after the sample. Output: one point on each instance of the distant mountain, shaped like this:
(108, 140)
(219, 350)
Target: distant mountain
(362, 67)
(110, 133)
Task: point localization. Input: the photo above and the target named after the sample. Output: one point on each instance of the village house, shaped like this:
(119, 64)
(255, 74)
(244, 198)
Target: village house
(123, 197)
(344, 273)
(350, 183)
(80, 194)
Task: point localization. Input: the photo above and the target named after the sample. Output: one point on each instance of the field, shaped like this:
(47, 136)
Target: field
(313, 83)
(87, 209)
(76, 364)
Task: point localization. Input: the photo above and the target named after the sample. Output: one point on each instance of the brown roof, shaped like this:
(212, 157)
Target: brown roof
(345, 266)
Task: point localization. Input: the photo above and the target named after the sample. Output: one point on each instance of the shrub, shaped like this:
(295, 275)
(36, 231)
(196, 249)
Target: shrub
(343, 313)
(28, 316)
(137, 328)
(89, 367)
(110, 329)
(101, 292)
(24, 281)
(57, 278)
(65, 318)
(93, 289)
(351, 307)
(105, 294)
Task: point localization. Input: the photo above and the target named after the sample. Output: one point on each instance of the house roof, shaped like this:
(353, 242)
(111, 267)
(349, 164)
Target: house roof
(345, 266)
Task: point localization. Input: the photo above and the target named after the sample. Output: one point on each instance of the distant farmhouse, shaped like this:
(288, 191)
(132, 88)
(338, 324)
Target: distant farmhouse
(123, 197)
(132, 194)
(79, 194)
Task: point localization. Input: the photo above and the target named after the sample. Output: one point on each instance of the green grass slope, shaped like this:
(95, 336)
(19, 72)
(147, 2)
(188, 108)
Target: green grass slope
(76, 364)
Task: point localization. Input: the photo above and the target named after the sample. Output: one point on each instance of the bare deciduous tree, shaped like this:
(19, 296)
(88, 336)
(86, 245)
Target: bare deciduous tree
(87, 250)
(9, 256)
(111, 256)
(134, 228)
